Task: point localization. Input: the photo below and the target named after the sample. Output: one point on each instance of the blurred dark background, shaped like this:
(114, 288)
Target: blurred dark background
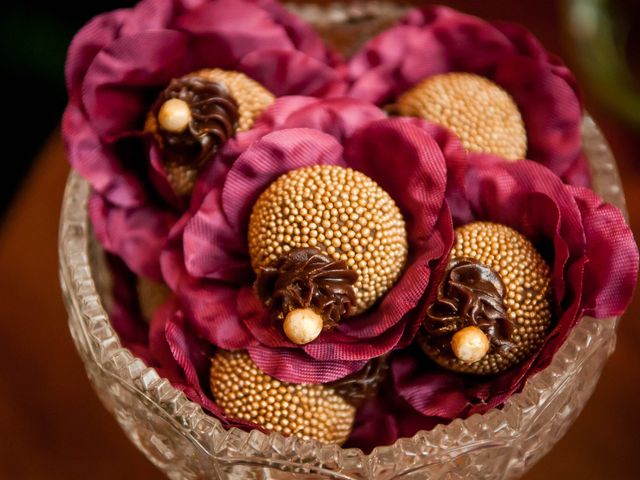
(34, 36)
(52, 425)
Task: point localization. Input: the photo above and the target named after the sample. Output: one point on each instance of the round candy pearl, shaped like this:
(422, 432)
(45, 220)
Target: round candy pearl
(341, 212)
(302, 325)
(470, 344)
(174, 115)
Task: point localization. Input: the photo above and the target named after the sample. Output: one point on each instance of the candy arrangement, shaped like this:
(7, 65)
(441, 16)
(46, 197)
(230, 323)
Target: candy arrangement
(319, 244)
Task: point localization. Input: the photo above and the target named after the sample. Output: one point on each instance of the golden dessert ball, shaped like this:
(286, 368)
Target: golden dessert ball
(339, 211)
(244, 392)
(527, 281)
(479, 112)
(252, 99)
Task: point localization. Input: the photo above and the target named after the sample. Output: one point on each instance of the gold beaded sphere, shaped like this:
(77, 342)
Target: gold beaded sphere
(244, 392)
(252, 99)
(479, 112)
(339, 211)
(527, 281)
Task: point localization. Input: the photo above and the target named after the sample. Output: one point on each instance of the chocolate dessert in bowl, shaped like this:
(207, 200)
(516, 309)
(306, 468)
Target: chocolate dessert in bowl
(300, 282)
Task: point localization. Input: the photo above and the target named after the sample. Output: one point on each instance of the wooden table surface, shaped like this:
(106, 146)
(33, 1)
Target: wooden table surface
(52, 426)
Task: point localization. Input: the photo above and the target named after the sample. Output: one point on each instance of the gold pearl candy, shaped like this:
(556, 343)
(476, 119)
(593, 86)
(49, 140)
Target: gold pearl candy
(339, 211)
(302, 325)
(470, 344)
(252, 99)
(479, 112)
(527, 279)
(244, 392)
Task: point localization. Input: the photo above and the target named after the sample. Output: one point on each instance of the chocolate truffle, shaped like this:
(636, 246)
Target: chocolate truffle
(479, 112)
(244, 392)
(325, 238)
(492, 308)
(196, 114)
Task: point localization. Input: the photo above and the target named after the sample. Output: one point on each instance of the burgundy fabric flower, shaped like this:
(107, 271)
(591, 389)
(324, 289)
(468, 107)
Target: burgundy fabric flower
(207, 261)
(385, 418)
(119, 62)
(179, 354)
(436, 40)
(168, 343)
(593, 259)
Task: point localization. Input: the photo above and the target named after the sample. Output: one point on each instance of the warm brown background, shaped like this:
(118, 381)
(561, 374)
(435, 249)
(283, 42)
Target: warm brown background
(52, 426)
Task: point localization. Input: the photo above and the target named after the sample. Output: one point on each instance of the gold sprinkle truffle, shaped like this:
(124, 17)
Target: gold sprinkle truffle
(175, 117)
(342, 213)
(479, 112)
(513, 309)
(244, 392)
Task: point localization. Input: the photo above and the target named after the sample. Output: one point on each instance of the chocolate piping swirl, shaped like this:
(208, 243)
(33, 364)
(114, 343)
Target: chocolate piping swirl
(306, 278)
(214, 118)
(470, 294)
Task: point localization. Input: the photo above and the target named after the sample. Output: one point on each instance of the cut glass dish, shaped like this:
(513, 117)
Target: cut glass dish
(185, 443)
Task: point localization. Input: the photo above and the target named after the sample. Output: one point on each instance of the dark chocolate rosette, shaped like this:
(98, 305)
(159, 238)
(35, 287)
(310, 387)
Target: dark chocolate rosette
(122, 62)
(494, 85)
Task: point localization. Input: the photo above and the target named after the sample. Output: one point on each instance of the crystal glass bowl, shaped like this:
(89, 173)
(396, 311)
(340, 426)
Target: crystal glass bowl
(184, 442)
